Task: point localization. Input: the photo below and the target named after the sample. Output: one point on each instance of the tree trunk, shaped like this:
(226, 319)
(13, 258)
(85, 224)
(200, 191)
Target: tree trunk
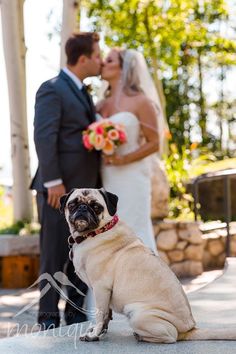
(202, 102)
(221, 102)
(14, 52)
(70, 24)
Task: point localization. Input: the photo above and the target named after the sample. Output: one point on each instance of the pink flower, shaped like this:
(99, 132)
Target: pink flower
(113, 134)
(99, 130)
(122, 136)
(93, 126)
(86, 142)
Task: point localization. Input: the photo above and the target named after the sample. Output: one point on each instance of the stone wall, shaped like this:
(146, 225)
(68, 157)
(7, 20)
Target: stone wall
(180, 245)
(214, 248)
(187, 250)
(160, 190)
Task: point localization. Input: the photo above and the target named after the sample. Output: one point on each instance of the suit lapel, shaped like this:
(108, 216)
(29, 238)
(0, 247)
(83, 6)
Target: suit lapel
(79, 95)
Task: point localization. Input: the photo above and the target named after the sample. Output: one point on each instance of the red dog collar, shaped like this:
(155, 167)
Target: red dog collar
(79, 239)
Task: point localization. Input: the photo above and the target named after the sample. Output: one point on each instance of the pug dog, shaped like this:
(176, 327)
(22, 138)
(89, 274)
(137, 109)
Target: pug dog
(125, 275)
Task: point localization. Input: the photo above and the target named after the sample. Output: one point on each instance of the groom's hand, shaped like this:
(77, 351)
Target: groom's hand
(54, 194)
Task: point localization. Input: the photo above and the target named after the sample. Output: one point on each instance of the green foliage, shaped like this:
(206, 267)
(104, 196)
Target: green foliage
(181, 167)
(177, 165)
(14, 229)
(20, 228)
(182, 40)
(181, 164)
(181, 208)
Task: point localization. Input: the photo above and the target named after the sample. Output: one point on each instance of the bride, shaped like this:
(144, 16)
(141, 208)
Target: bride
(131, 100)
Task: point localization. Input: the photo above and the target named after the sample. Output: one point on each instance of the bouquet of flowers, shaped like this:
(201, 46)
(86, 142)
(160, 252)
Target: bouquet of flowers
(105, 136)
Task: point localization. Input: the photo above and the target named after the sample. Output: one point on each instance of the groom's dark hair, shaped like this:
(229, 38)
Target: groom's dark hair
(80, 44)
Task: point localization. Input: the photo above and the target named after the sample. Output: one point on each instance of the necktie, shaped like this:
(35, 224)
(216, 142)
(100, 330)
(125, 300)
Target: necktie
(86, 95)
(88, 99)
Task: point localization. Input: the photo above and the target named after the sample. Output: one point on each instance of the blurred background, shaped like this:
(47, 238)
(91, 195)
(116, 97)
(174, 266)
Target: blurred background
(190, 47)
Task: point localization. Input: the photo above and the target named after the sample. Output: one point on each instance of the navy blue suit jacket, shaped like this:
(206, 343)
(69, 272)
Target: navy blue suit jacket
(62, 112)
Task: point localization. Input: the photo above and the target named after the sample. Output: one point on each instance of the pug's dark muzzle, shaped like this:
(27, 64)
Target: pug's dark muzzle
(84, 218)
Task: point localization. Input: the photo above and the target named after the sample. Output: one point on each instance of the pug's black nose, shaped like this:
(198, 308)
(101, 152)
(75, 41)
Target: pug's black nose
(82, 208)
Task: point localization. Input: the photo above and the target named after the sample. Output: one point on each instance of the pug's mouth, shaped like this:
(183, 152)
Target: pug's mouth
(81, 225)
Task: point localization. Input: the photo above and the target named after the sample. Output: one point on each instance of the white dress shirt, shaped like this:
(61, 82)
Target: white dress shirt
(79, 84)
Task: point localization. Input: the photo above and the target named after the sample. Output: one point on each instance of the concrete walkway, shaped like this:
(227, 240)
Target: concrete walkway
(12, 301)
(213, 306)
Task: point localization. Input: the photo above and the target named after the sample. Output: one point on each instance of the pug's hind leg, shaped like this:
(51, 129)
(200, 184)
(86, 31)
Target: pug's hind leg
(148, 327)
(102, 299)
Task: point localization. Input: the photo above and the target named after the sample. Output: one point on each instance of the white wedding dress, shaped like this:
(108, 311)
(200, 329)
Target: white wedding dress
(131, 182)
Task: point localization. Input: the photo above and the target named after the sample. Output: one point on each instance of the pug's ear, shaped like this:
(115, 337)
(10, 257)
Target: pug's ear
(111, 201)
(64, 199)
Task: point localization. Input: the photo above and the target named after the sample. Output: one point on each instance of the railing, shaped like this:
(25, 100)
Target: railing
(226, 175)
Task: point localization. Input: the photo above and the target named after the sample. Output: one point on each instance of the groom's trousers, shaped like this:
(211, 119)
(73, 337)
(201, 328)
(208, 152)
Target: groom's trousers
(54, 257)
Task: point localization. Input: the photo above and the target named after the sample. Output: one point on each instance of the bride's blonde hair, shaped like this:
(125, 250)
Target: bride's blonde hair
(130, 78)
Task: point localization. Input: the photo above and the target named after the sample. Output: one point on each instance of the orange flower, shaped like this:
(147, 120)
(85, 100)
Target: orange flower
(109, 147)
(99, 142)
(168, 134)
(193, 146)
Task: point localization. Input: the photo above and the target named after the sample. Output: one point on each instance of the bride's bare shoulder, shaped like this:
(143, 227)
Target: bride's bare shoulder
(143, 100)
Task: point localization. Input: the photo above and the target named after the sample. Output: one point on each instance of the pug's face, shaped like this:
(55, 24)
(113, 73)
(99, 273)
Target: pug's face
(88, 209)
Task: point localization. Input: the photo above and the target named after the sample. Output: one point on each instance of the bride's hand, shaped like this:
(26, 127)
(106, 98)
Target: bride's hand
(114, 160)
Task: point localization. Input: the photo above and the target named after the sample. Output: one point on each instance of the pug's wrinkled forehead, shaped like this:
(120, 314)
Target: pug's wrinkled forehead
(89, 195)
(85, 195)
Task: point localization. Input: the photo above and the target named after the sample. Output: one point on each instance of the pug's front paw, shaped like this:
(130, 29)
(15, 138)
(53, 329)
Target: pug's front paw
(93, 334)
(89, 338)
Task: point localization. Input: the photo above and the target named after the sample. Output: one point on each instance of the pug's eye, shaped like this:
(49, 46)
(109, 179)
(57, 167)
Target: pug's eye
(97, 208)
(71, 206)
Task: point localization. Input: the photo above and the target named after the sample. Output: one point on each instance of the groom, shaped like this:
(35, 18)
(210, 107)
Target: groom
(63, 109)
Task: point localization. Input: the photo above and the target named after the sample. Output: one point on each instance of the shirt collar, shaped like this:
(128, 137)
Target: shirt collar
(73, 77)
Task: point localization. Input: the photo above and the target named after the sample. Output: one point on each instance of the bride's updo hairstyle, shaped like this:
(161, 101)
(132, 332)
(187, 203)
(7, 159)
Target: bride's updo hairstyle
(130, 76)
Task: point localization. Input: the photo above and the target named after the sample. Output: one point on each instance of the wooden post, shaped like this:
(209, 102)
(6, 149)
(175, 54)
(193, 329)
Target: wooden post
(14, 52)
(70, 24)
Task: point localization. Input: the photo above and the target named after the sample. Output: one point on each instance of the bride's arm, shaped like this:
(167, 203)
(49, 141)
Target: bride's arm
(147, 115)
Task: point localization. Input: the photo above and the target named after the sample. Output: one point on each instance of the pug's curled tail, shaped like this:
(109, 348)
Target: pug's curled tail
(209, 334)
